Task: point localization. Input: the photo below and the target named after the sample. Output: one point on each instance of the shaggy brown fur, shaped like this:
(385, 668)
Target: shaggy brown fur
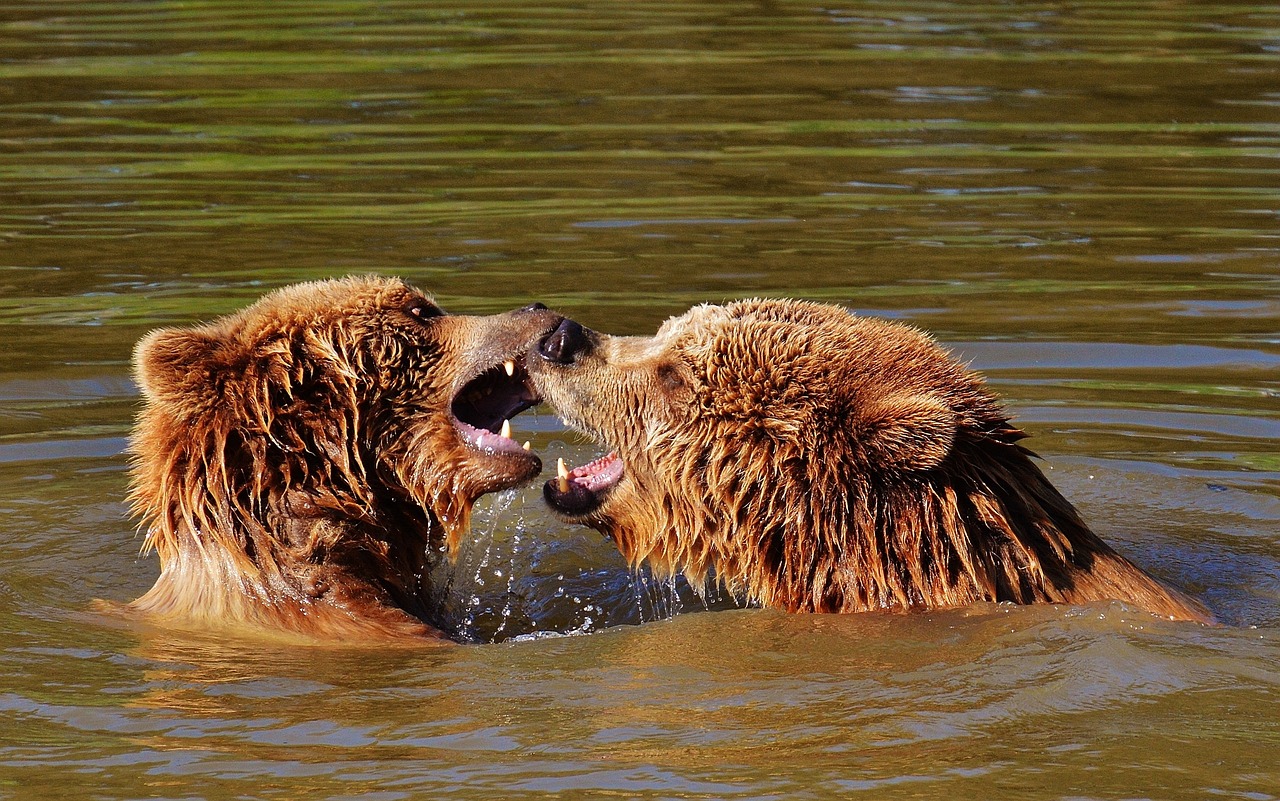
(817, 461)
(295, 462)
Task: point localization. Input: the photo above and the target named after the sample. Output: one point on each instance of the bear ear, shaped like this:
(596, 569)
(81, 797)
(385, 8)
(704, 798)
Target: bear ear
(172, 364)
(909, 432)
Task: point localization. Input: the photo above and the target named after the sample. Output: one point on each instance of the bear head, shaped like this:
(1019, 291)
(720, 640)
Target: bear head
(322, 440)
(811, 459)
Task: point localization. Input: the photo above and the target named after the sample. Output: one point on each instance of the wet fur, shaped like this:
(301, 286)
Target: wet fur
(294, 463)
(812, 460)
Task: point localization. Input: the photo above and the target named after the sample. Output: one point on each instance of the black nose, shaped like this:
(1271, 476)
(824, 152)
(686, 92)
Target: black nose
(565, 343)
(535, 306)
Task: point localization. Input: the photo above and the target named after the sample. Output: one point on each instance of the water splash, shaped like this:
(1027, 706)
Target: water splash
(509, 597)
(520, 575)
(461, 586)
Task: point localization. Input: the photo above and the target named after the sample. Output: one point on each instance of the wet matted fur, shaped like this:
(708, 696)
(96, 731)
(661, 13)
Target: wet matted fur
(814, 460)
(295, 462)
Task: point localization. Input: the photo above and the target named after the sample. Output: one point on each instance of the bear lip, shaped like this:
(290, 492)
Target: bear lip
(484, 404)
(578, 492)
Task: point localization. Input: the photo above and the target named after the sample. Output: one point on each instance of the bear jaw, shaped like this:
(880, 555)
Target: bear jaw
(481, 410)
(575, 495)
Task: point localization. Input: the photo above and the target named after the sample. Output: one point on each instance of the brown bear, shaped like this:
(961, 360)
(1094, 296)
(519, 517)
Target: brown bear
(295, 462)
(813, 460)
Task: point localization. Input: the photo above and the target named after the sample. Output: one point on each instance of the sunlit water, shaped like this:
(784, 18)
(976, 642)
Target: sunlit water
(1079, 199)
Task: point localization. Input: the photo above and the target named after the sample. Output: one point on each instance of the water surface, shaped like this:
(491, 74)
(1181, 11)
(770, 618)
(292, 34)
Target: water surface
(1080, 199)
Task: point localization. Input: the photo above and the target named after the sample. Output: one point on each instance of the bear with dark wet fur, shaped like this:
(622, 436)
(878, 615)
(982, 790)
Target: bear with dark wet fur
(812, 460)
(295, 463)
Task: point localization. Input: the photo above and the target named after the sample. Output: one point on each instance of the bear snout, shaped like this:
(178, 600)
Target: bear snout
(565, 344)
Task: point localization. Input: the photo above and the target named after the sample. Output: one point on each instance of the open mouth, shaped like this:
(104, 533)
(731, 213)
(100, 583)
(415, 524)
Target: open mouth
(579, 492)
(483, 409)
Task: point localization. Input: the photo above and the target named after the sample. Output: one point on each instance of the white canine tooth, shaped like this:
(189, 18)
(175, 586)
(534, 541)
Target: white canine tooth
(526, 445)
(509, 366)
(506, 429)
(562, 473)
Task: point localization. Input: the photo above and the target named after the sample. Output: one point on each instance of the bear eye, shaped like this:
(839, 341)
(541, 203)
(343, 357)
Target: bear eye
(669, 376)
(422, 310)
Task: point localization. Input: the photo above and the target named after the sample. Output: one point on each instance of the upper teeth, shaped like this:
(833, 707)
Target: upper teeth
(510, 367)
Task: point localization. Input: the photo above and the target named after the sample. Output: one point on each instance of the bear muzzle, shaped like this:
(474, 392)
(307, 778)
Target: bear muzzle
(565, 344)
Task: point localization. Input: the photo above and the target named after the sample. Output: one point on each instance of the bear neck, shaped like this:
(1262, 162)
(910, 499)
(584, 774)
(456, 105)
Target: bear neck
(276, 558)
(985, 527)
(372, 584)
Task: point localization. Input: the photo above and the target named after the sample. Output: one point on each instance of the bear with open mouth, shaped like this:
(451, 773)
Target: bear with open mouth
(295, 463)
(813, 460)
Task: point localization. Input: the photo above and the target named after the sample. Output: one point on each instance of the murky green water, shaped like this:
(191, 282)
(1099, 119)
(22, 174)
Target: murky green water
(1080, 198)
